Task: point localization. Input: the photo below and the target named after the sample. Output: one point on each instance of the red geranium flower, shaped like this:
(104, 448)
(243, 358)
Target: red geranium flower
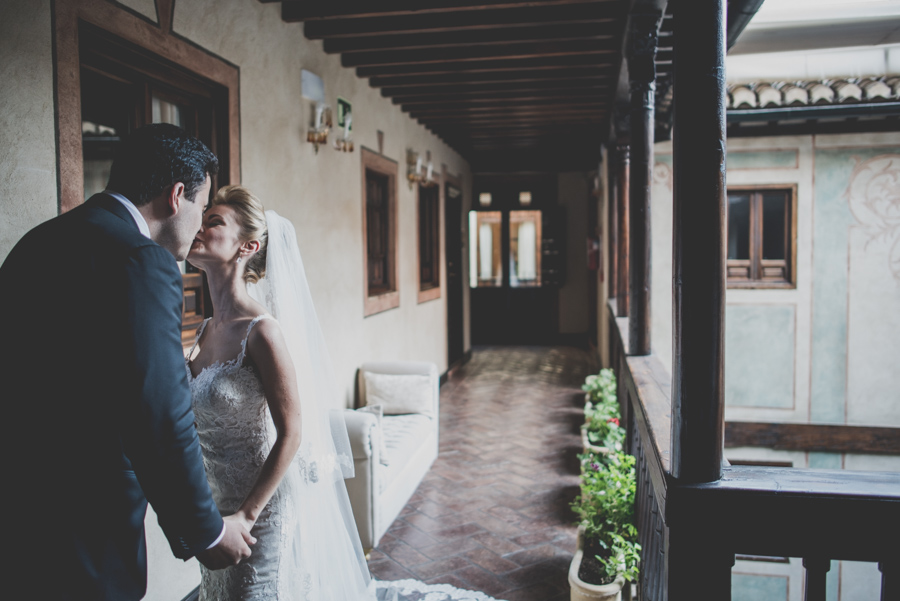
(613, 420)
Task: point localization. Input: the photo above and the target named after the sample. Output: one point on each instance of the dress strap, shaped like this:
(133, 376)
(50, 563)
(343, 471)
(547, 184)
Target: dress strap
(253, 322)
(197, 337)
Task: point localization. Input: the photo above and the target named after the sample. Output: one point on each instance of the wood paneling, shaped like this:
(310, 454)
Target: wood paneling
(814, 437)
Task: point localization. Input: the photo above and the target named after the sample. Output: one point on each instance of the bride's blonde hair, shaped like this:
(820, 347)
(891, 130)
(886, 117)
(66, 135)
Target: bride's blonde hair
(252, 217)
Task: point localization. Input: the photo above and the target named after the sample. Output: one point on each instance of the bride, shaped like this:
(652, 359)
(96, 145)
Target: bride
(261, 387)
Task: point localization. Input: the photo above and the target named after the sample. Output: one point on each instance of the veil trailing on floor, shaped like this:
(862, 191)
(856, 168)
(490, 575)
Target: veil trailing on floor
(327, 555)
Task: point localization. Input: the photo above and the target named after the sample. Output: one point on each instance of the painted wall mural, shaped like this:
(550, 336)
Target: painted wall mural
(874, 198)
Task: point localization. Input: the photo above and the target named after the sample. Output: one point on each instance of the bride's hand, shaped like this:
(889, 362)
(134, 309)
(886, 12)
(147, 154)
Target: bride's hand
(242, 518)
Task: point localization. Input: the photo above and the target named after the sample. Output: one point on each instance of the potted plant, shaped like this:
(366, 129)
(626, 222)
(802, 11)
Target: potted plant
(600, 387)
(608, 553)
(602, 435)
(601, 432)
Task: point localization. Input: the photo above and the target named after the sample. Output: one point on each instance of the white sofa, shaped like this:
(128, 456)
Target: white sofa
(379, 492)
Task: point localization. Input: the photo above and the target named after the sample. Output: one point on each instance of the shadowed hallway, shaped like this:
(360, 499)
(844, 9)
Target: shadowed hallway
(493, 513)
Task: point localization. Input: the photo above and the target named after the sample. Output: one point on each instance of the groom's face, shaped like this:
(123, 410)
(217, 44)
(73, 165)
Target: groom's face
(188, 220)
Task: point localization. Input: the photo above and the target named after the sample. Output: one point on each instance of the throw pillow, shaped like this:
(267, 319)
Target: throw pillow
(378, 412)
(400, 393)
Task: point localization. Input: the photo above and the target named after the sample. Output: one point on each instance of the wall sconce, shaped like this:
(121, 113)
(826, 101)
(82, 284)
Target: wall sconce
(321, 126)
(345, 142)
(417, 171)
(484, 199)
(525, 198)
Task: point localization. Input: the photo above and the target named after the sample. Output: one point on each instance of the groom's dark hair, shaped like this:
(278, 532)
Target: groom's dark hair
(154, 158)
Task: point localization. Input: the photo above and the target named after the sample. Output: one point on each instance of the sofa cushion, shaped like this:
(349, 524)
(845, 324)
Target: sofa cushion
(403, 435)
(400, 394)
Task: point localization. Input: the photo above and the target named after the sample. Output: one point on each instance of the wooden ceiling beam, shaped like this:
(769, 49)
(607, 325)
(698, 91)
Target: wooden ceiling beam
(562, 94)
(470, 79)
(499, 122)
(397, 93)
(510, 105)
(463, 20)
(480, 52)
(568, 31)
(588, 59)
(304, 10)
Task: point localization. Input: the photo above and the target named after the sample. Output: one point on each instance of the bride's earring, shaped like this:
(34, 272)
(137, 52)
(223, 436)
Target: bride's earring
(239, 259)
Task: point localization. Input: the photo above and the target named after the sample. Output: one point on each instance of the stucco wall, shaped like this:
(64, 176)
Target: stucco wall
(28, 191)
(320, 192)
(823, 351)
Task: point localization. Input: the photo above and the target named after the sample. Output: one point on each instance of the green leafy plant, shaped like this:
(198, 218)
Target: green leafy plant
(601, 387)
(602, 412)
(605, 509)
(605, 432)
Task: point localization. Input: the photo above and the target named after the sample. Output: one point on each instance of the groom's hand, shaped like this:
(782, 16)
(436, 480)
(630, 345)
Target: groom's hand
(234, 546)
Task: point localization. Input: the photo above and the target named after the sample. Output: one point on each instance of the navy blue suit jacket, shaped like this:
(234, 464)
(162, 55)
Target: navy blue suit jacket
(97, 408)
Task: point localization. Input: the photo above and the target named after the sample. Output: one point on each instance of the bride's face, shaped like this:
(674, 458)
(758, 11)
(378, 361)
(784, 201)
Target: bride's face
(218, 240)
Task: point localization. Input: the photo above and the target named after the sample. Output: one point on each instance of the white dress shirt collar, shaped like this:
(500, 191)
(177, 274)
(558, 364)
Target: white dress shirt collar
(135, 214)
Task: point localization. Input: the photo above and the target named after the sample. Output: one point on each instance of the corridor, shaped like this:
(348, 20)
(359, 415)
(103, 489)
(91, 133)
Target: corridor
(493, 513)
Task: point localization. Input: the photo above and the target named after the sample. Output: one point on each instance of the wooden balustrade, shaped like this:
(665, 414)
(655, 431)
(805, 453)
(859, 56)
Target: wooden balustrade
(816, 515)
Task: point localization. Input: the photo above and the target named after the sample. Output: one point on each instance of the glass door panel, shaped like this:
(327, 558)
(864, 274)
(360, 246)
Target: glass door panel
(485, 264)
(524, 249)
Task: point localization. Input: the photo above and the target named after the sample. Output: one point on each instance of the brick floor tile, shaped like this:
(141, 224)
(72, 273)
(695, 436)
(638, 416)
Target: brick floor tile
(403, 554)
(490, 561)
(431, 570)
(497, 544)
(535, 592)
(389, 570)
(443, 549)
(532, 556)
(482, 580)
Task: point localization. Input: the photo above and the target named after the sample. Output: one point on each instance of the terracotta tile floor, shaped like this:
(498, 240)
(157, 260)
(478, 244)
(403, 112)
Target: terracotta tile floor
(493, 513)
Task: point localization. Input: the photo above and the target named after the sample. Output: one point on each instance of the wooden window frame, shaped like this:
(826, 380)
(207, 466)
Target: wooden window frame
(755, 263)
(378, 163)
(146, 35)
(155, 42)
(430, 290)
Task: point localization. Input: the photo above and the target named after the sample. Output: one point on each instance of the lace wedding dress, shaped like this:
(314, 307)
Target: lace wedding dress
(287, 564)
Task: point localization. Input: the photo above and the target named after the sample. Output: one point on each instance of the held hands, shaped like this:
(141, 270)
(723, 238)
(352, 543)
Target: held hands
(234, 546)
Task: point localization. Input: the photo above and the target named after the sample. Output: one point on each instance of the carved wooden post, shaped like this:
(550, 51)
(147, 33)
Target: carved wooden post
(890, 581)
(622, 205)
(612, 222)
(698, 138)
(642, 72)
(816, 571)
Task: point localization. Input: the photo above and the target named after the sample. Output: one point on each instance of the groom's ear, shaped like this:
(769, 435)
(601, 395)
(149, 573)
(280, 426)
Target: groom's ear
(174, 198)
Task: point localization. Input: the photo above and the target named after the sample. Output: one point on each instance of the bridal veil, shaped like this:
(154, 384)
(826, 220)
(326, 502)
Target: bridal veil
(327, 555)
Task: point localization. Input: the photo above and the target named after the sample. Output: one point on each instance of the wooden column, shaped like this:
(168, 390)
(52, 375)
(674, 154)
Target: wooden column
(890, 580)
(816, 573)
(612, 222)
(642, 72)
(622, 206)
(698, 137)
(694, 550)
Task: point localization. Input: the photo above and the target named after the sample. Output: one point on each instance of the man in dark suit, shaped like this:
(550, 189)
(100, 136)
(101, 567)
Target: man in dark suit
(97, 410)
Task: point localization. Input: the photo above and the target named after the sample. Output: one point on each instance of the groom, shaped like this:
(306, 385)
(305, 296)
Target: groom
(97, 410)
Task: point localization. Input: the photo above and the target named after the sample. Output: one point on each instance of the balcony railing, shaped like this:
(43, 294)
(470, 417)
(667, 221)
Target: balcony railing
(691, 533)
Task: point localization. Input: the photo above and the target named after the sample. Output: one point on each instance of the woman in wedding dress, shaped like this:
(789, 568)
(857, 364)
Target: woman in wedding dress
(262, 390)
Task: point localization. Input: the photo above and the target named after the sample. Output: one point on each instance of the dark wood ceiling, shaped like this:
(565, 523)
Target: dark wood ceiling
(525, 85)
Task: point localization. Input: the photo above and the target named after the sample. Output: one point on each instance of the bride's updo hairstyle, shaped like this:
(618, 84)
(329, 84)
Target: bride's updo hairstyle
(252, 219)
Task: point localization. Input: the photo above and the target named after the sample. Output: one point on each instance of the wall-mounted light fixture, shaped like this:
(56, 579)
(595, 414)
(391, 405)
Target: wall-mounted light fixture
(322, 124)
(524, 198)
(345, 142)
(418, 171)
(484, 199)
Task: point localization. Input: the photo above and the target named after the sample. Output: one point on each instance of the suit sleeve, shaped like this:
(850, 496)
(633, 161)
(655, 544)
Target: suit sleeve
(159, 436)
